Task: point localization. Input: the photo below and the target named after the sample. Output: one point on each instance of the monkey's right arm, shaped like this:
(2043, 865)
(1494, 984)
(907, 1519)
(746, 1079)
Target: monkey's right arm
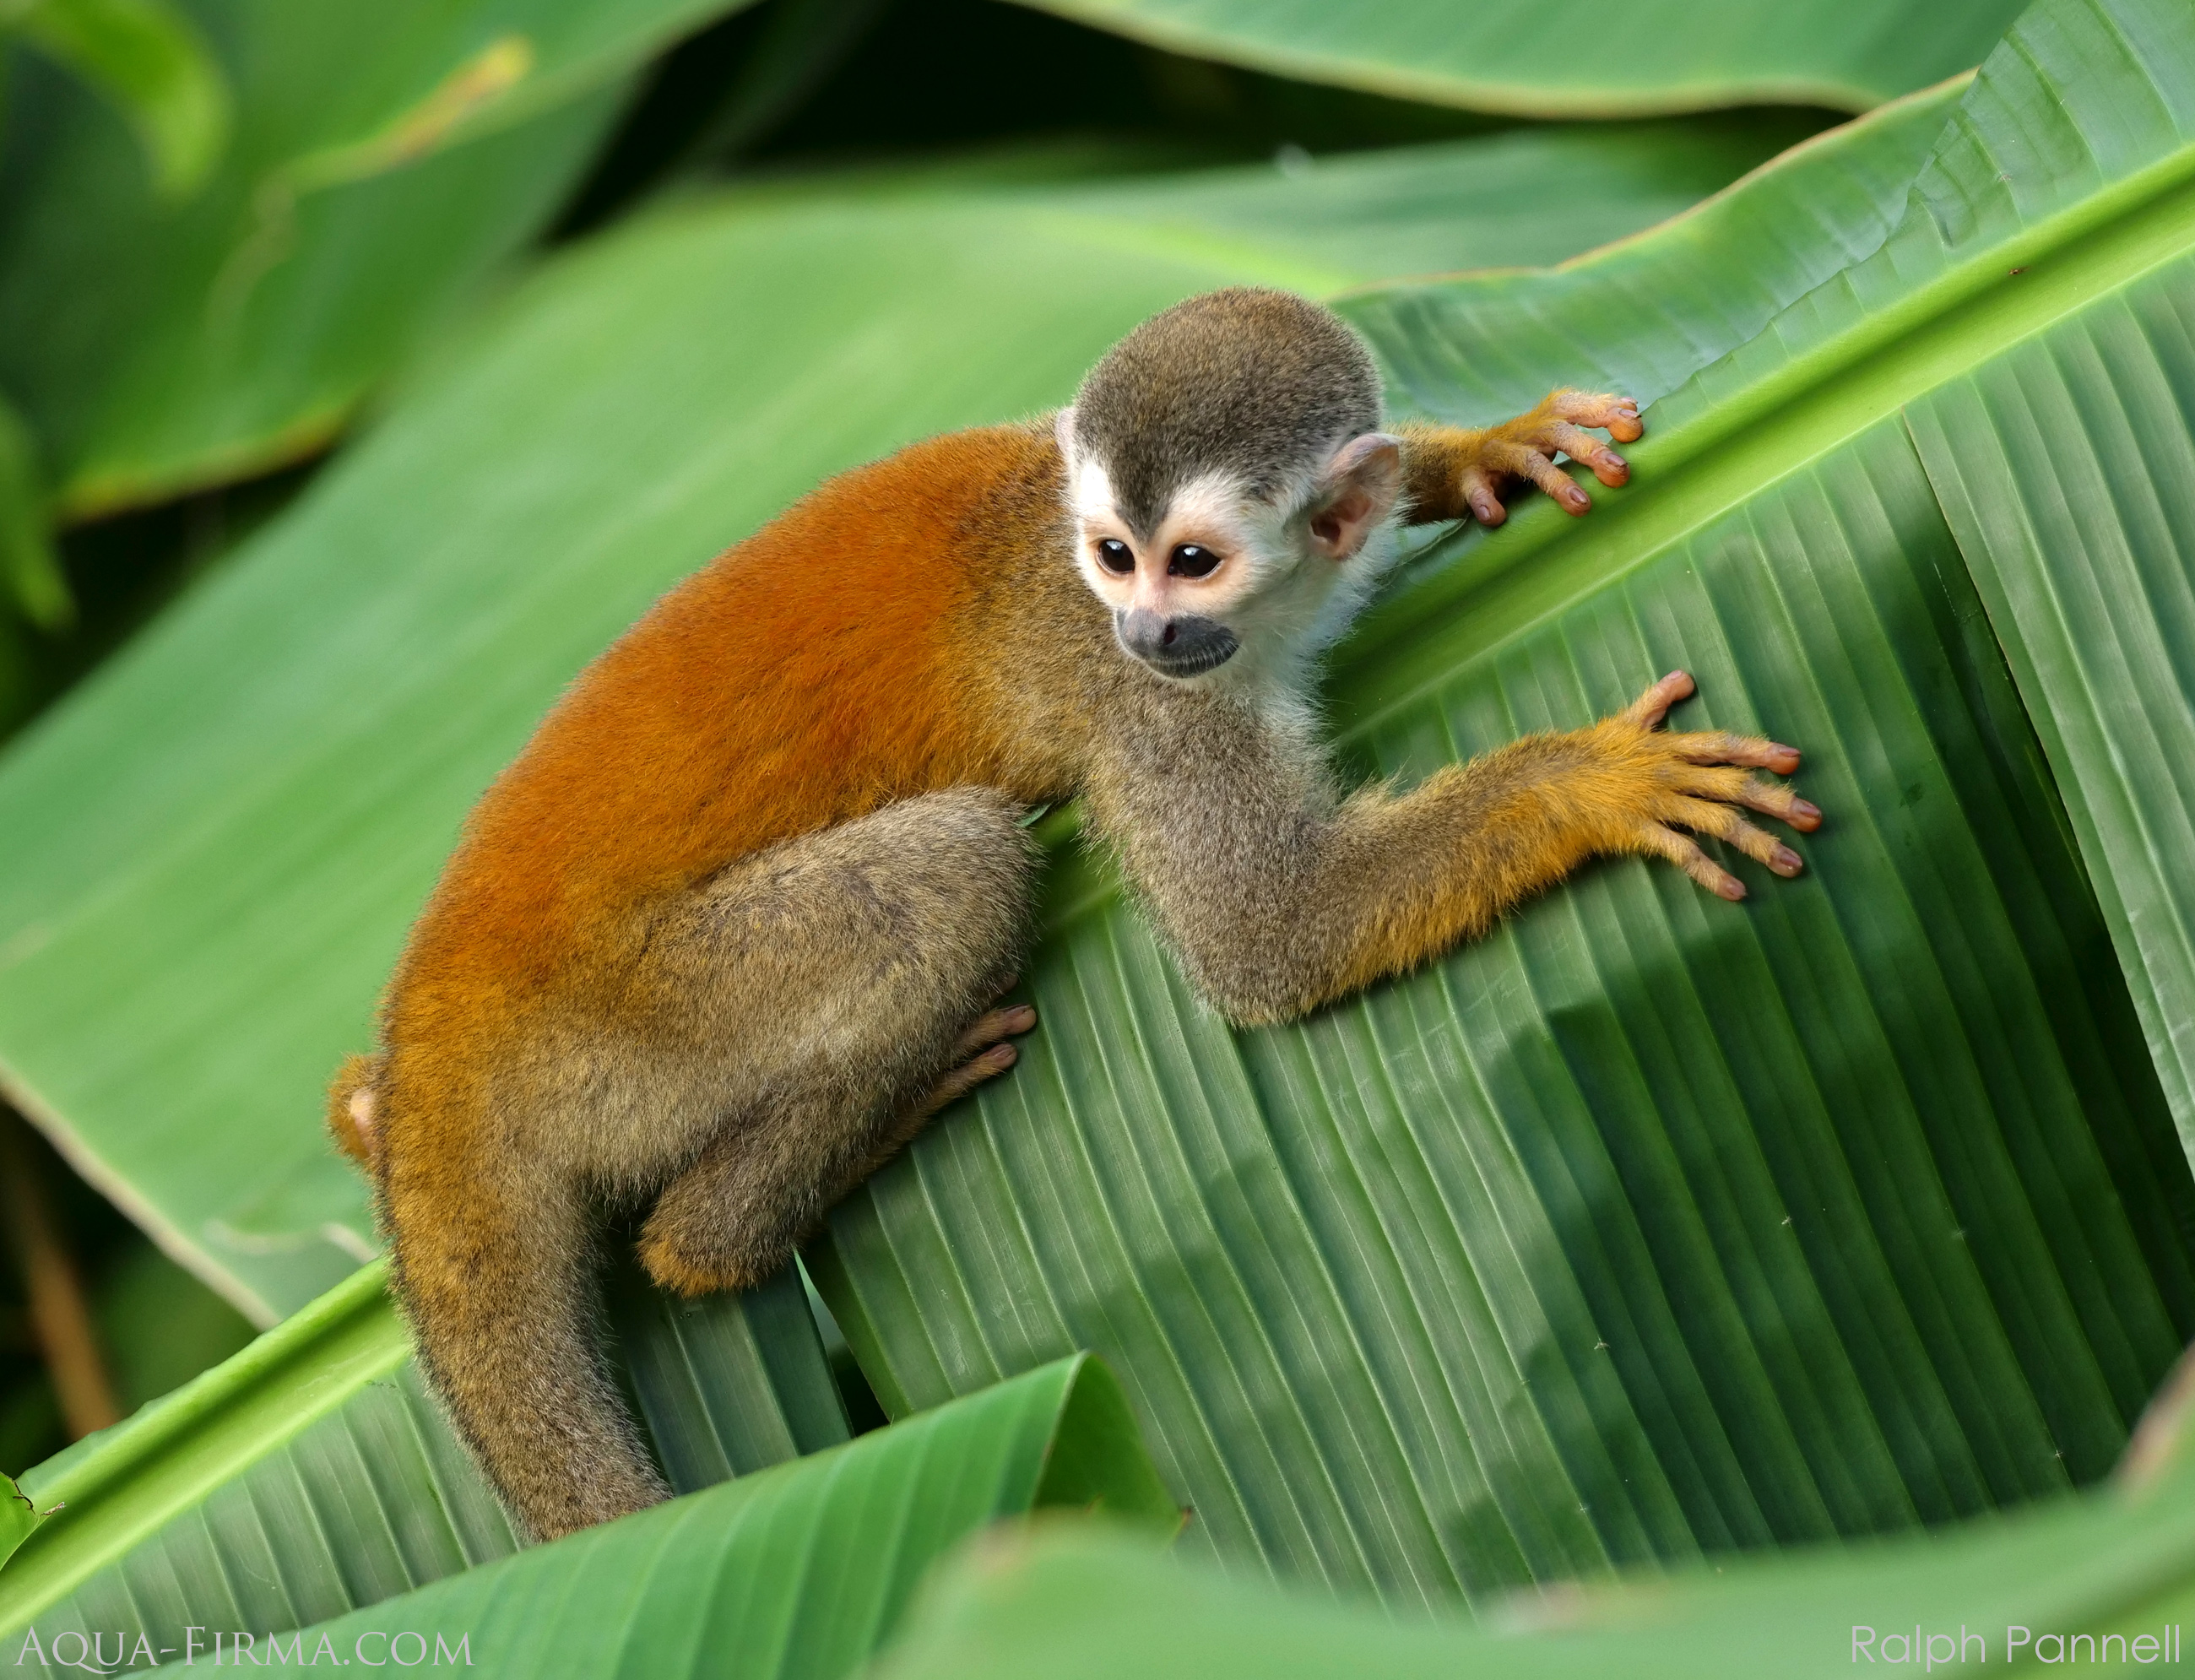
(1279, 897)
(1448, 471)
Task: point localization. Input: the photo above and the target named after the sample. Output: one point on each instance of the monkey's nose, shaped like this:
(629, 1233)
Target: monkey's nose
(1144, 632)
(1184, 647)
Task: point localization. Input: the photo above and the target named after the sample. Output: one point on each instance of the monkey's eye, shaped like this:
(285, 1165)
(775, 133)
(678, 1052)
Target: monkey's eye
(1113, 555)
(1191, 560)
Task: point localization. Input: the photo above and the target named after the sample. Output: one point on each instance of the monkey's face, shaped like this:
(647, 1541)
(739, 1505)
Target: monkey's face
(1224, 579)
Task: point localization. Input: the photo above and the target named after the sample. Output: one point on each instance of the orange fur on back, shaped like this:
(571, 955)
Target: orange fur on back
(816, 672)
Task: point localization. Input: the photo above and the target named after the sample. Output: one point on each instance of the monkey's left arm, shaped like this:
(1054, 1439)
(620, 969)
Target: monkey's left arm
(1450, 470)
(1281, 897)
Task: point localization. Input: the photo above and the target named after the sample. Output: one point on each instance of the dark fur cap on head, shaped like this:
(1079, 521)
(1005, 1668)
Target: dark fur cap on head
(1244, 381)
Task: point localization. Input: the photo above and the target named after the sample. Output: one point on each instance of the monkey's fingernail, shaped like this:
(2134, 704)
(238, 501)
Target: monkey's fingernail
(1788, 862)
(1731, 887)
(1019, 1018)
(1800, 807)
(1002, 1055)
(1614, 459)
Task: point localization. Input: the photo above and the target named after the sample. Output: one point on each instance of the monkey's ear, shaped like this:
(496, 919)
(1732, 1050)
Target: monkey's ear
(1063, 428)
(1355, 492)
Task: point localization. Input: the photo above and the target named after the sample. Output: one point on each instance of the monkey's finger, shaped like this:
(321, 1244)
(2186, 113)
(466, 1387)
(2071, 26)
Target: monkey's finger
(1718, 746)
(1525, 462)
(1705, 817)
(1648, 710)
(965, 1078)
(1685, 854)
(1583, 447)
(1478, 496)
(1735, 787)
(1617, 416)
(990, 1029)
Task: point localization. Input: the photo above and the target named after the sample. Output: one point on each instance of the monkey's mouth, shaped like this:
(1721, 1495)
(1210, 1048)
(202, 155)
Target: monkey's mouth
(1176, 647)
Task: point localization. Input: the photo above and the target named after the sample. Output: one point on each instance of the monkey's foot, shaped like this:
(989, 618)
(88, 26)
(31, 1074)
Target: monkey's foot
(1700, 781)
(981, 1054)
(1525, 448)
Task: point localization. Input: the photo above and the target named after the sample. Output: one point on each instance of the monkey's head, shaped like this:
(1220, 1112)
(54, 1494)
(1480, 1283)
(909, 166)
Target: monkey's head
(1230, 485)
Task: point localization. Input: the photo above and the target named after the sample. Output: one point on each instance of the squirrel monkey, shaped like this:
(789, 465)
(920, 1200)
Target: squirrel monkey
(736, 922)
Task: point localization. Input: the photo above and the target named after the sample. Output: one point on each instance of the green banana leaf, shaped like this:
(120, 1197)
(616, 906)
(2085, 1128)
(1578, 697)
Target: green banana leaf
(1646, 55)
(802, 1571)
(1533, 197)
(312, 1474)
(385, 159)
(151, 63)
(820, 1555)
(20, 1516)
(2067, 470)
(210, 854)
(2117, 1569)
(1645, 314)
(1651, 1224)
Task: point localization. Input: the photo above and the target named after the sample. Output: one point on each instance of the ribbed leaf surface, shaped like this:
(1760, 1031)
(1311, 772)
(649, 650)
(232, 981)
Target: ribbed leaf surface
(2068, 470)
(800, 1572)
(312, 1474)
(1513, 56)
(727, 1384)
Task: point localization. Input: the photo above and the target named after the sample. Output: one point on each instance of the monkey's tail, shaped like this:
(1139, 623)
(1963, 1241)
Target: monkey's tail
(494, 1265)
(350, 1109)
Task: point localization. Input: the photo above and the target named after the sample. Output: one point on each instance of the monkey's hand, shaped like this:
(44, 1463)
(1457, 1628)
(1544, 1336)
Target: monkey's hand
(1449, 470)
(1663, 781)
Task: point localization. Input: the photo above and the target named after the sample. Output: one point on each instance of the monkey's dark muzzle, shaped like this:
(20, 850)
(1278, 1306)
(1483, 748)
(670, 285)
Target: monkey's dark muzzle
(1185, 647)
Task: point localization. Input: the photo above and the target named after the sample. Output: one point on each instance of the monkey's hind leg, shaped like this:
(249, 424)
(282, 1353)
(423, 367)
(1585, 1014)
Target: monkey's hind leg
(870, 956)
